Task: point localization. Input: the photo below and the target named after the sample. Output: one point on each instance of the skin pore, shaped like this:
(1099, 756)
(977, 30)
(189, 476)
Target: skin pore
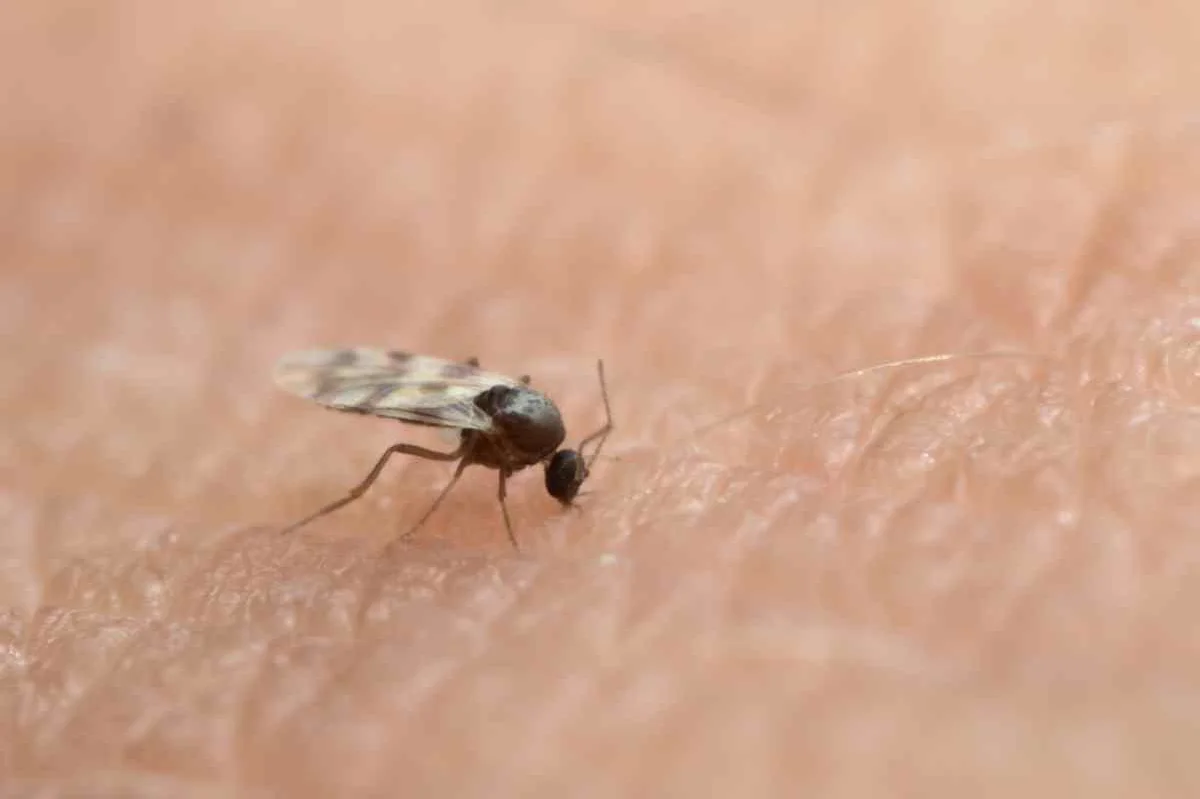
(964, 575)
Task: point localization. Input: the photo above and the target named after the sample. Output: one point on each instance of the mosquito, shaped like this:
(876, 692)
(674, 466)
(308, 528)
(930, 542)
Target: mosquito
(502, 423)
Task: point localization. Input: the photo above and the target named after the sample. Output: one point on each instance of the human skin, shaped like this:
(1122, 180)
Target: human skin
(971, 576)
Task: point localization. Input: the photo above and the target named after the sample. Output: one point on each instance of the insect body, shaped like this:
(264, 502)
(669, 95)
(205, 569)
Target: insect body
(503, 423)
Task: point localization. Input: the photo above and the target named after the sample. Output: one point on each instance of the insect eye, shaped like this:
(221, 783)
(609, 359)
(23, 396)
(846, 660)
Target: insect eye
(565, 473)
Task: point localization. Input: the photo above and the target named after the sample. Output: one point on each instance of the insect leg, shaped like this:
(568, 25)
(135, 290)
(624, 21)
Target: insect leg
(462, 464)
(602, 434)
(501, 494)
(373, 475)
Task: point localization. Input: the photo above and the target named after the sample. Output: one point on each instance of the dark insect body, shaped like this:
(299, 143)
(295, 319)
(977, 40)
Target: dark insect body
(503, 423)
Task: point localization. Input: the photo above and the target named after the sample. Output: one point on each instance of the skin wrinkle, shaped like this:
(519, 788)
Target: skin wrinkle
(84, 694)
(445, 671)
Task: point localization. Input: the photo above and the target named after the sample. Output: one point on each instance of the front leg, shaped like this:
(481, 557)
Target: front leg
(501, 493)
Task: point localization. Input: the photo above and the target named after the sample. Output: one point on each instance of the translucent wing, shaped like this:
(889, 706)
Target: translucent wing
(396, 385)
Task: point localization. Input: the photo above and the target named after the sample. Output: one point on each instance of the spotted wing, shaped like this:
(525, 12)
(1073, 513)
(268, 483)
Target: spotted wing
(396, 385)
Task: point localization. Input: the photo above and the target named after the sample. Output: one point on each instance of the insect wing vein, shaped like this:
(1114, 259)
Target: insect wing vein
(395, 385)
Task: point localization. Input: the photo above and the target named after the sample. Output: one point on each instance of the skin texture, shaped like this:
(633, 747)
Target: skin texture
(974, 576)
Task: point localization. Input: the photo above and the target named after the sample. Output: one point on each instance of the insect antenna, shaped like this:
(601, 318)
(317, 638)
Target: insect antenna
(601, 435)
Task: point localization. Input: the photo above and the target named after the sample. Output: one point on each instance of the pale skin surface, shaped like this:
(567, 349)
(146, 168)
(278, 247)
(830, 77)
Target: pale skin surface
(970, 577)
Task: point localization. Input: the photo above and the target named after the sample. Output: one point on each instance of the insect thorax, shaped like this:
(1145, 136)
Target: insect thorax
(527, 427)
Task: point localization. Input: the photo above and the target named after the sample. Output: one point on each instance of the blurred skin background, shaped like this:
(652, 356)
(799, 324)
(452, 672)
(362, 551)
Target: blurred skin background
(973, 575)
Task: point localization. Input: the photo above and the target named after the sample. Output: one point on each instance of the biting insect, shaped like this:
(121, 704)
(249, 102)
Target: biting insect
(502, 423)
